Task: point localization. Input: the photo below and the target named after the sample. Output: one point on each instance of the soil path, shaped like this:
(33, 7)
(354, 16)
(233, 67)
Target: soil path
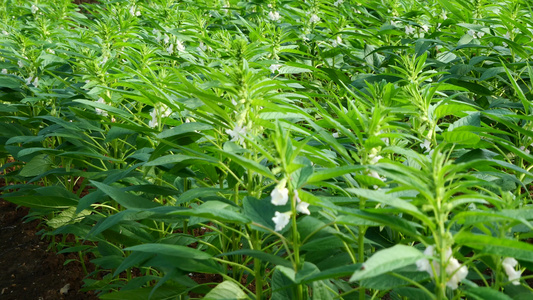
(27, 270)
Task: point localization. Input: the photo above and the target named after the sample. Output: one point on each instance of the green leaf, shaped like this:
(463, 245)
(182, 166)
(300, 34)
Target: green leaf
(165, 292)
(387, 260)
(484, 293)
(227, 290)
(171, 250)
(266, 257)
(184, 129)
(497, 246)
(123, 198)
(461, 137)
(260, 212)
(37, 165)
(248, 164)
(329, 173)
(179, 158)
(215, 210)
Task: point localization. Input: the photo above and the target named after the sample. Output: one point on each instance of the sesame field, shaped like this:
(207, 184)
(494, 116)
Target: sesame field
(267, 149)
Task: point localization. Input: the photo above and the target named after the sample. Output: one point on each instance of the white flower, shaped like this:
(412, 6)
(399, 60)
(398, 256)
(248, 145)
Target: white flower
(454, 269)
(166, 39)
(34, 9)
(281, 220)
(134, 12)
(274, 16)
(338, 2)
(426, 145)
(36, 82)
(301, 206)
(100, 112)
(279, 195)
(425, 28)
(475, 34)
(179, 46)
(335, 134)
(409, 29)
(153, 123)
(444, 16)
(237, 134)
(374, 158)
(4, 71)
(201, 46)
(394, 23)
(337, 41)
(170, 49)
(509, 265)
(274, 67)
(5, 33)
(28, 80)
(314, 19)
(20, 63)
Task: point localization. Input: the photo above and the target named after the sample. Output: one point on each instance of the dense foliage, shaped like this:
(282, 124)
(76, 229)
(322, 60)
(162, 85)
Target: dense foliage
(294, 149)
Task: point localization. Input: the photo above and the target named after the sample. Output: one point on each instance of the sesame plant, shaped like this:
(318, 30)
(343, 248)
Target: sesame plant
(275, 149)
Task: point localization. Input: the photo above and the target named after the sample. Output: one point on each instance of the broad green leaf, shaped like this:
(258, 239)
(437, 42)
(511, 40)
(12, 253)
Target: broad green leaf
(123, 198)
(387, 260)
(248, 164)
(179, 158)
(171, 250)
(325, 174)
(266, 257)
(227, 290)
(165, 292)
(497, 246)
(461, 137)
(37, 165)
(484, 293)
(214, 210)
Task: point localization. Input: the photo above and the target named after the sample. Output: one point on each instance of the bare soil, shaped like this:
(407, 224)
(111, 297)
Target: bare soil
(28, 270)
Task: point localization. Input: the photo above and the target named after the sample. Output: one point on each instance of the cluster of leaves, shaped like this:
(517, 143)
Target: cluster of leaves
(182, 137)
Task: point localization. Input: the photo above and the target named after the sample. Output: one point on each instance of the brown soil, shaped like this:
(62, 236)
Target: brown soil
(28, 271)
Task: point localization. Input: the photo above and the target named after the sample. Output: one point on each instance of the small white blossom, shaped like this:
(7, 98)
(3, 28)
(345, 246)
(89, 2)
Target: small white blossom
(274, 67)
(373, 159)
(4, 71)
(475, 34)
(425, 28)
(101, 112)
(237, 134)
(202, 47)
(453, 267)
(5, 33)
(20, 63)
(166, 39)
(337, 41)
(134, 12)
(335, 134)
(28, 80)
(409, 30)
(281, 220)
(153, 123)
(301, 206)
(179, 46)
(338, 2)
(394, 23)
(170, 49)
(426, 145)
(36, 82)
(274, 16)
(279, 195)
(509, 265)
(34, 9)
(314, 19)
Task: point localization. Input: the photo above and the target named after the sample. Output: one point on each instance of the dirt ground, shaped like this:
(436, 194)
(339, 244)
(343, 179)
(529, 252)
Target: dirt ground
(28, 271)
